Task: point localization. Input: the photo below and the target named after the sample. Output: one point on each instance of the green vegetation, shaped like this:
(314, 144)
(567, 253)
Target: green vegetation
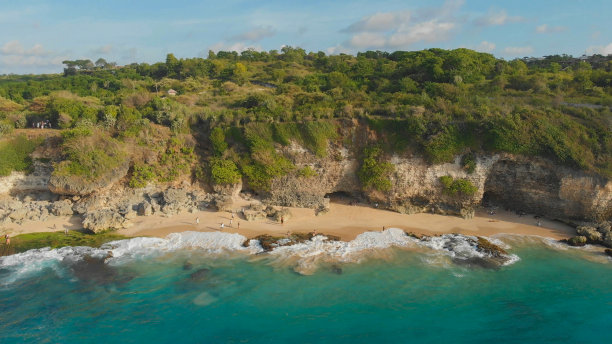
(24, 242)
(245, 107)
(307, 172)
(15, 154)
(374, 171)
(217, 140)
(141, 175)
(460, 187)
(468, 162)
(223, 172)
(90, 157)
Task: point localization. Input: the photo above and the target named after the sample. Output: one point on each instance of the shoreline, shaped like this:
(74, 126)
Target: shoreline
(343, 220)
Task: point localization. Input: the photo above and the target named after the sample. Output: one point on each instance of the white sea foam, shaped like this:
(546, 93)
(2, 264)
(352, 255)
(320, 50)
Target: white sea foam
(346, 251)
(27, 263)
(209, 242)
(463, 247)
(304, 255)
(24, 264)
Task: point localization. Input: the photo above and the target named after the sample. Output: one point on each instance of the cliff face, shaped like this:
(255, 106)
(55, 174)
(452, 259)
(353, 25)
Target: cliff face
(538, 186)
(19, 182)
(532, 185)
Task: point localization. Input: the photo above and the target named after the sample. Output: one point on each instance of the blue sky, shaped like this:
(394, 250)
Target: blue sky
(35, 36)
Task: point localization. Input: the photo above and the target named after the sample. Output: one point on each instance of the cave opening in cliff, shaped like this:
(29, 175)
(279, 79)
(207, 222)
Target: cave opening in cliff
(342, 197)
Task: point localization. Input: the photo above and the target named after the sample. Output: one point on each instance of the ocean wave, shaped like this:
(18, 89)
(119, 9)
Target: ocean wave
(305, 255)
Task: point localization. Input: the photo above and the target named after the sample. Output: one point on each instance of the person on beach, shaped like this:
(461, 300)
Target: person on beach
(238, 224)
(314, 233)
(282, 220)
(383, 228)
(232, 215)
(231, 220)
(8, 240)
(222, 225)
(197, 220)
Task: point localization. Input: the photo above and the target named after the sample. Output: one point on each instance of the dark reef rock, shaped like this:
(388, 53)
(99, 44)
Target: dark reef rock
(199, 275)
(577, 241)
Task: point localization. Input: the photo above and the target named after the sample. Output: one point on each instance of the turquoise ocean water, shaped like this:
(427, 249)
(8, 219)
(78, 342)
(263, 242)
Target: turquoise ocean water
(184, 291)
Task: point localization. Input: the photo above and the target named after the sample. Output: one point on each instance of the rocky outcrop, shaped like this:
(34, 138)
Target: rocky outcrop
(19, 182)
(593, 233)
(17, 211)
(61, 208)
(538, 186)
(258, 211)
(104, 219)
(74, 185)
(230, 190)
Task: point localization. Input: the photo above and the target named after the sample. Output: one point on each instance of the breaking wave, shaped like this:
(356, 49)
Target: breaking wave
(304, 255)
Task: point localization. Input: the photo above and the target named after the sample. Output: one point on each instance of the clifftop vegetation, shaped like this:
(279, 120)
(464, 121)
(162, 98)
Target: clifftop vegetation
(230, 110)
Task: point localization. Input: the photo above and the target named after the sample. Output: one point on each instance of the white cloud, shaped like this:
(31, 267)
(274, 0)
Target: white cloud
(34, 61)
(600, 49)
(379, 22)
(16, 48)
(393, 30)
(255, 34)
(431, 31)
(14, 55)
(518, 51)
(368, 39)
(496, 18)
(544, 28)
(237, 47)
(103, 50)
(486, 47)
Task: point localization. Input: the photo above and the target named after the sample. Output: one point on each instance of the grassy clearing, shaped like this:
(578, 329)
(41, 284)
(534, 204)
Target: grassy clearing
(15, 154)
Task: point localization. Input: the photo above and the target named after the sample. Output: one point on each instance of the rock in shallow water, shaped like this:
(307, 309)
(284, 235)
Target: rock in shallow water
(577, 241)
(199, 275)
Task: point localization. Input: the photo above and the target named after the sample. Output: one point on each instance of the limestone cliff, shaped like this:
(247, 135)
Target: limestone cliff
(533, 185)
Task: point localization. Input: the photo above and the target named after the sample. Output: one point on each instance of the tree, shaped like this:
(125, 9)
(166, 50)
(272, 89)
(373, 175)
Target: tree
(239, 73)
(172, 65)
(101, 63)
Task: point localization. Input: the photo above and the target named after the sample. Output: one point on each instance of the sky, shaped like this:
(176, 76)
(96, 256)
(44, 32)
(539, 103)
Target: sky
(36, 35)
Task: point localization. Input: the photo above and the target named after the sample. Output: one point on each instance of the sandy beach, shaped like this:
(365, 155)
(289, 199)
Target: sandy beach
(348, 221)
(343, 220)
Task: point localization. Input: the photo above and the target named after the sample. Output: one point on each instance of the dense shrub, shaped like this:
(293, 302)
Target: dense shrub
(217, 140)
(374, 171)
(141, 175)
(460, 187)
(224, 172)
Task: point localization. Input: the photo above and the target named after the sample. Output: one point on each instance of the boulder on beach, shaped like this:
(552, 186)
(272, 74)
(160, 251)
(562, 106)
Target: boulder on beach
(104, 219)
